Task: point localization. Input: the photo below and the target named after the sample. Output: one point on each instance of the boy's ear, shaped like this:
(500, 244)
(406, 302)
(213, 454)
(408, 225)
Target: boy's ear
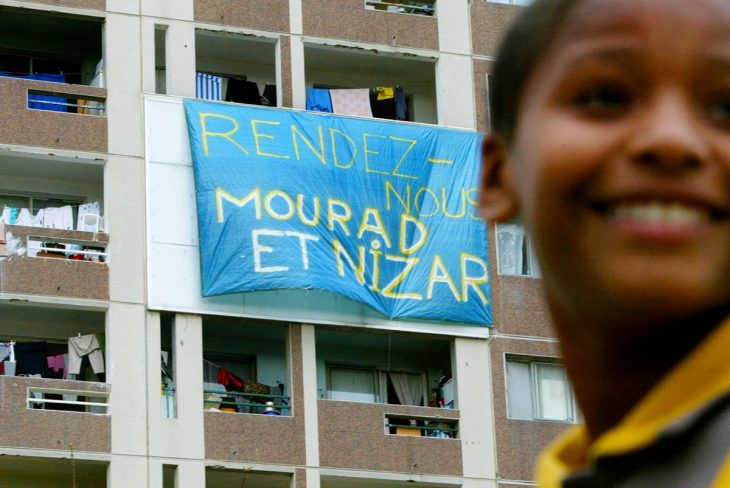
(497, 194)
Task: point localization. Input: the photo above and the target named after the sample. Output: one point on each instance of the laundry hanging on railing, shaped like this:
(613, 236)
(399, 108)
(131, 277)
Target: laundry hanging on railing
(57, 104)
(383, 102)
(207, 86)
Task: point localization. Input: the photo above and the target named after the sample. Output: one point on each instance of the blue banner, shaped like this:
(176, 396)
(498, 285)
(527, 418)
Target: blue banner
(381, 212)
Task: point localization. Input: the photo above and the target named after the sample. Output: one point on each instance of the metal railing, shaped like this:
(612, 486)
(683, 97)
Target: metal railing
(79, 104)
(37, 397)
(247, 400)
(403, 6)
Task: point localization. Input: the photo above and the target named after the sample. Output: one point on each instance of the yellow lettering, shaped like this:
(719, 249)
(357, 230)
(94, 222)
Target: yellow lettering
(320, 154)
(410, 264)
(474, 202)
(377, 227)
(205, 133)
(406, 204)
(439, 274)
(358, 270)
(472, 281)
(422, 234)
(270, 210)
(334, 148)
(300, 205)
(366, 151)
(221, 194)
(444, 198)
(257, 136)
(402, 158)
(419, 206)
(340, 218)
(375, 285)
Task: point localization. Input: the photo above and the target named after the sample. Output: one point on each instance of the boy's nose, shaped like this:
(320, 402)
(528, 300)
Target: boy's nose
(669, 138)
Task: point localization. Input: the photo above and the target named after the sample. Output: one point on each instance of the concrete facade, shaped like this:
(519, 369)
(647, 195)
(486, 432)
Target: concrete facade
(142, 438)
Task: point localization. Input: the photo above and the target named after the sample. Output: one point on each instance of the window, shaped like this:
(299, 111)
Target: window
(402, 6)
(515, 256)
(370, 385)
(512, 2)
(537, 389)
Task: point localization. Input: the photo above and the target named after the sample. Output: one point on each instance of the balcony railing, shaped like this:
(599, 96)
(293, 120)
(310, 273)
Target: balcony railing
(402, 6)
(56, 115)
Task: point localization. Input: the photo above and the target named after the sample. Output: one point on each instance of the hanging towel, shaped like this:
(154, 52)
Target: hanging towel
(207, 87)
(318, 100)
(31, 358)
(351, 102)
(10, 215)
(59, 218)
(385, 92)
(27, 218)
(270, 95)
(401, 110)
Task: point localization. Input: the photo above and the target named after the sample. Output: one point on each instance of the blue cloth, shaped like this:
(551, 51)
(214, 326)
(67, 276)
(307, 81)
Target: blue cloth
(318, 100)
(401, 110)
(36, 101)
(381, 212)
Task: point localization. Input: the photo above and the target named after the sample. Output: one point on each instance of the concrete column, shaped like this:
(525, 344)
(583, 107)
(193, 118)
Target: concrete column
(454, 27)
(180, 59)
(454, 79)
(455, 91)
(471, 366)
(126, 371)
(309, 394)
(182, 437)
(122, 52)
(148, 55)
(190, 474)
(127, 471)
(298, 78)
(124, 208)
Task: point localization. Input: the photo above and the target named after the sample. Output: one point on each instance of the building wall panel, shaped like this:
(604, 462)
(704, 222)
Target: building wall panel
(488, 24)
(272, 15)
(58, 130)
(519, 441)
(50, 429)
(352, 436)
(55, 277)
(349, 20)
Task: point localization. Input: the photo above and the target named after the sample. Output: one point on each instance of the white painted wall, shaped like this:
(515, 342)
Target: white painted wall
(474, 400)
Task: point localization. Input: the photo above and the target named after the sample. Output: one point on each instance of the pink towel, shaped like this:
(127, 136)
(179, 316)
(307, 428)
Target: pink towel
(351, 102)
(57, 363)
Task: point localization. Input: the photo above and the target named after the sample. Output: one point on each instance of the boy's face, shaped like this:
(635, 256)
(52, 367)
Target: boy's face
(620, 166)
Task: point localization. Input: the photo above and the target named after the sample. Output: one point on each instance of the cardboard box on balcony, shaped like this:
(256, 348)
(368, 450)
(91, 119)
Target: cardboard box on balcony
(408, 431)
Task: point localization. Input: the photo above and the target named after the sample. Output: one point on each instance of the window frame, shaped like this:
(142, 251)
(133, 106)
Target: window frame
(528, 252)
(534, 363)
(380, 382)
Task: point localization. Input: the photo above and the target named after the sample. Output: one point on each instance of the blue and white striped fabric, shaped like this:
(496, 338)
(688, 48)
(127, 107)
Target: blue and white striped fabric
(208, 87)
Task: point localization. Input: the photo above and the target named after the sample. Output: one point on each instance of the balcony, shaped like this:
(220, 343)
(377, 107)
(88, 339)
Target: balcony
(52, 89)
(54, 272)
(352, 20)
(22, 471)
(391, 391)
(339, 67)
(52, 404)
(247, 388)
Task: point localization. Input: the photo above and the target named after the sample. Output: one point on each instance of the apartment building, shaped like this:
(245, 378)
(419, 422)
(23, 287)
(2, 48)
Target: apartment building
(118, 373)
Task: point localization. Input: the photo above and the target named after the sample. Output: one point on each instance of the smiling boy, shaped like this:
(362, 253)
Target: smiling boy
(612, 142)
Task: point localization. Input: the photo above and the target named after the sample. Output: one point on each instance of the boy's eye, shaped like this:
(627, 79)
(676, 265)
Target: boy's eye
(719, 110)
(603, 97)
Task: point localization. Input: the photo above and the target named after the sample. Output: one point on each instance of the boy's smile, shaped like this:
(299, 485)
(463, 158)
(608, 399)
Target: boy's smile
(621, 161)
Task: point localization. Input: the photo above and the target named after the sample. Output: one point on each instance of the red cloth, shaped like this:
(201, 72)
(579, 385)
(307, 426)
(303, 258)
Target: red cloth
(229, 380)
